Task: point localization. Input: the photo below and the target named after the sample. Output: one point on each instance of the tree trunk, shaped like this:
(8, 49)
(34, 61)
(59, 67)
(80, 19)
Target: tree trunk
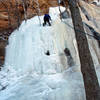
(91, 84)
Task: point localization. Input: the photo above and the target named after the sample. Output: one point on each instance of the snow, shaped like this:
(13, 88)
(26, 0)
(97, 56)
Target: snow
(97, 2)
(30, 74)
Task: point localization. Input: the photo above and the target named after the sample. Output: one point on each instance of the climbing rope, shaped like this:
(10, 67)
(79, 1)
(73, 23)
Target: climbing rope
(95, 35)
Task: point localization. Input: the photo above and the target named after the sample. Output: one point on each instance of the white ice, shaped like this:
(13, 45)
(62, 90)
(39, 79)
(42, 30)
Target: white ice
(30, 74)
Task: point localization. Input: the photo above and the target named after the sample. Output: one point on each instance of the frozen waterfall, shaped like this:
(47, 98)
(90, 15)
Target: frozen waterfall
(30, 74)
(27, 47)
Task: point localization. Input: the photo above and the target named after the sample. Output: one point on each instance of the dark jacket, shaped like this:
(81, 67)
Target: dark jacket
(47, 17)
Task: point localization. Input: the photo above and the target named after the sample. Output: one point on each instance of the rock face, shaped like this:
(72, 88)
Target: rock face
(2, 51)
(13, 10)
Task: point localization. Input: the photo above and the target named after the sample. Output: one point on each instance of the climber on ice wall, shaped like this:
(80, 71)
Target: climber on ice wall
(47, 19)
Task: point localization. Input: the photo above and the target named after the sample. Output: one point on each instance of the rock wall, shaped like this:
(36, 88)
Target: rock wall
(8, 11)
(2, 51)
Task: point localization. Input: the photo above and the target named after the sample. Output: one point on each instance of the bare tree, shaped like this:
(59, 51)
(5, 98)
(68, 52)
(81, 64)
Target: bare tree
(65, 4)
(17, 14)
(37, 9)
(91, 84)
(25, 7)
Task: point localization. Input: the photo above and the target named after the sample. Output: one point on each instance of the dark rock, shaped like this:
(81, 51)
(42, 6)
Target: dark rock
(2, 51)
(70, 60)
(47, 53)
(65, 14)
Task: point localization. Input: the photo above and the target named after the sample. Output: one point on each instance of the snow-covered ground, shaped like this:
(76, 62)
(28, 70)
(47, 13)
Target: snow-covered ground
(30, 74)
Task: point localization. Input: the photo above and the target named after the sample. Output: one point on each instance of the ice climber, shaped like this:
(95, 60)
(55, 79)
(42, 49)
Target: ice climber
(47, 19)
